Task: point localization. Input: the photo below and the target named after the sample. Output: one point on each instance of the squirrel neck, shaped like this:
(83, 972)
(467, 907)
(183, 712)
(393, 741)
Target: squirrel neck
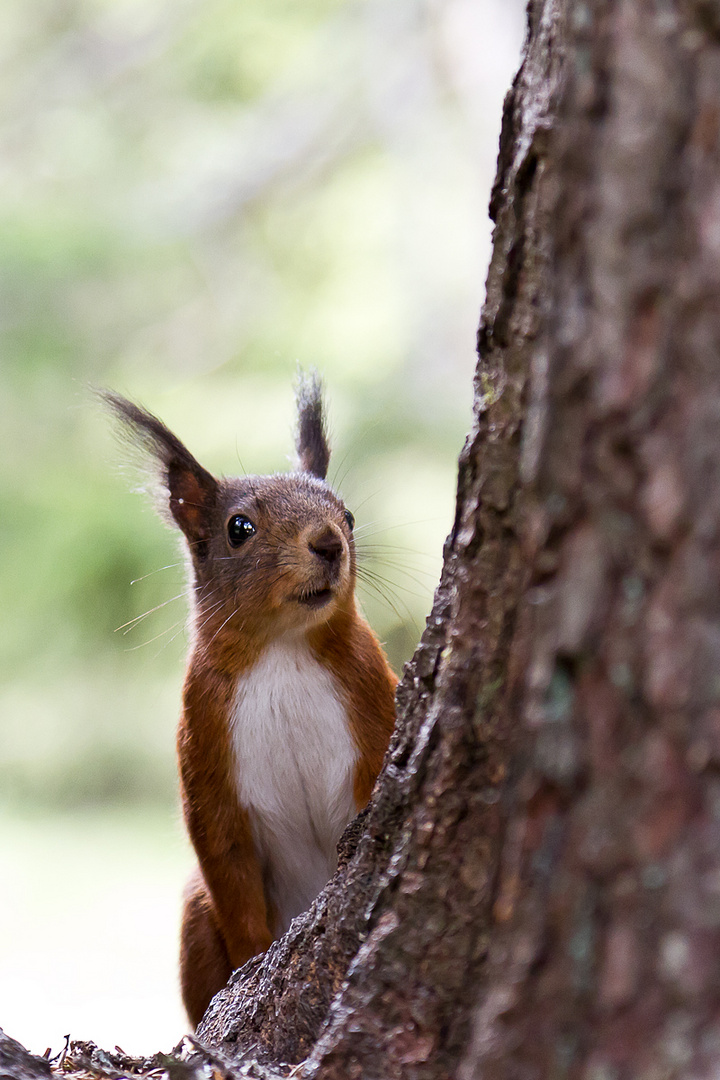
(225, 652)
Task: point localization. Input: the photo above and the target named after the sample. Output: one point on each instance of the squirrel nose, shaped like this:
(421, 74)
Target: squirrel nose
(328, 546)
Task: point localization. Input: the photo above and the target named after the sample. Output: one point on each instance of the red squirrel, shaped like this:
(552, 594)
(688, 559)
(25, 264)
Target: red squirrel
(288, 700)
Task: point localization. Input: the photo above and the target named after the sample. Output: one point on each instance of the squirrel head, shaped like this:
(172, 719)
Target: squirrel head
(269, 554)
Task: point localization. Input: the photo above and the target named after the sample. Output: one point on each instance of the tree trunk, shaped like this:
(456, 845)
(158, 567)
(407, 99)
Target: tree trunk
(410, 909)
(534, 891)
(605, 958)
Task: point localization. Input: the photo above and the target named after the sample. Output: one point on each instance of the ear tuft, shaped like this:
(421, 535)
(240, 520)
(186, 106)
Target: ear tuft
(311, 440)
(190, 490)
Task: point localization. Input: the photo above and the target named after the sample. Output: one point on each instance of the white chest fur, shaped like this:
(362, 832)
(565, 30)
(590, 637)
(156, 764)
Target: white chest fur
(295, 760)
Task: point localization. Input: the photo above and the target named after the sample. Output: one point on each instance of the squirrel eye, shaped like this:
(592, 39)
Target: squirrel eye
(350, 520)
(240, 529)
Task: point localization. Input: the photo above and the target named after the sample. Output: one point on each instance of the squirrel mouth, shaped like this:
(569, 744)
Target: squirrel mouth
(318, 598)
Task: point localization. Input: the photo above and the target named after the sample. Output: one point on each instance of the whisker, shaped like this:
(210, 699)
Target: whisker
(335, 482)
(126, 627)
(397, 525)
(143, 644)
(396, 549)
(208, 613)
(398, 561)
(379, 592)
(168, 643)
(368, 573)
(366, 500)
(183, 626)
(423, 583)
(237, 454)
(394, 587)
(170, 566)
(360, 530)
(385, 590)
(230, 616)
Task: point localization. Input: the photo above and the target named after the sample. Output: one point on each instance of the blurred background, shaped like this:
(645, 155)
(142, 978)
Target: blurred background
(196, 195)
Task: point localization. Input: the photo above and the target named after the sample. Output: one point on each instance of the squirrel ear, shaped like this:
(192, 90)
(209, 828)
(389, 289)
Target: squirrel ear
(311, 439)
(191, 490)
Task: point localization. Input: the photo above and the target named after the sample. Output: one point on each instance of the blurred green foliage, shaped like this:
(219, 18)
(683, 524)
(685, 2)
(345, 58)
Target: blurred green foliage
(194, 196)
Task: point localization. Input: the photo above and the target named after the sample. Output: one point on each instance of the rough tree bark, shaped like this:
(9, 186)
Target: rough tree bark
(534, 891)
(410, 909)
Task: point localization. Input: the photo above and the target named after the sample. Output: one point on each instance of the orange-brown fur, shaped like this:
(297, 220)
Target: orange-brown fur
(244, 599)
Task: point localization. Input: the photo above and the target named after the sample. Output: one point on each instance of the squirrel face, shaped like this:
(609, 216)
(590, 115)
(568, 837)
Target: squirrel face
(279, 556)
(269, 554)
